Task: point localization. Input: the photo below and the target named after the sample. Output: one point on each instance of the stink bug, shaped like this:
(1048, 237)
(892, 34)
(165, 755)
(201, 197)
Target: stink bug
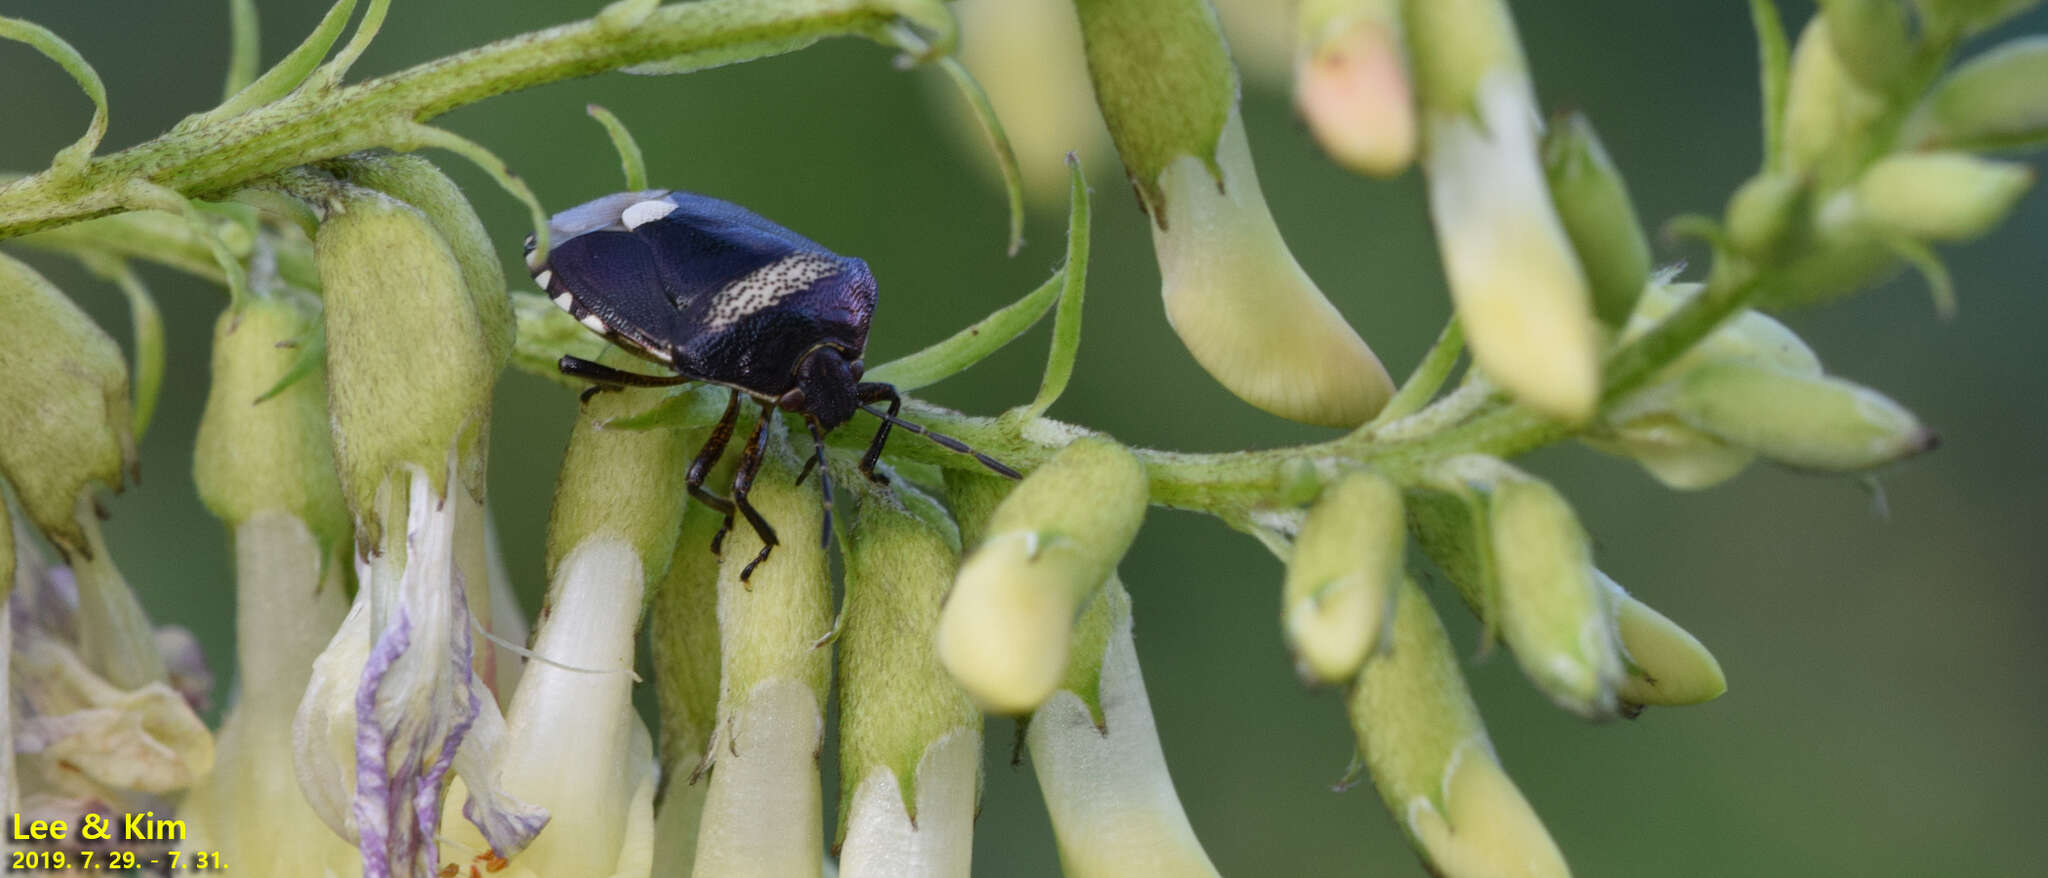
(716, 293)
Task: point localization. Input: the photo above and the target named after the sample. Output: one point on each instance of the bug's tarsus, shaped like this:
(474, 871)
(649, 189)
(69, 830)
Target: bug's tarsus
(824, 477)
(743, 482)
(707, 457)
(942, 439)
(875, 391)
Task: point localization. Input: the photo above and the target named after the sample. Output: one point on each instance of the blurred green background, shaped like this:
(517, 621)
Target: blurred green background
(1886, 710)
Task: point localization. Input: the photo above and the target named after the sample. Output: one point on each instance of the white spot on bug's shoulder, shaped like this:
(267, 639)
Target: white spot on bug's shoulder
(595, 323)
(767, 285)
(544, 278)
(646, 212)
(563, 301)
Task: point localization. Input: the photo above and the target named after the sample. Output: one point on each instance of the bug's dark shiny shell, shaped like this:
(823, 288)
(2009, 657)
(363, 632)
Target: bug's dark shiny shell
(706, 287)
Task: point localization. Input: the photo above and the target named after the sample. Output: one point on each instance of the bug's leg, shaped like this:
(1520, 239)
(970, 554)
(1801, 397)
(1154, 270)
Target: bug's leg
(874, 391)
(608, 378)
(945, 441)
(743, 482)
(824, 478)
(707, 457)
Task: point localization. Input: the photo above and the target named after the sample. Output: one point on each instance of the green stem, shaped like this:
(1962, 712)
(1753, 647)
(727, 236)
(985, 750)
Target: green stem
(1235, 486)
(1427, 378)
(211, 158)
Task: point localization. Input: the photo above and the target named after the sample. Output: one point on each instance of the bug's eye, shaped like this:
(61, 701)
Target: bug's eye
(791, 401)
(858, 368)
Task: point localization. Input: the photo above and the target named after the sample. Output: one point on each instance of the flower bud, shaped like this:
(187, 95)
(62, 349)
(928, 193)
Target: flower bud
(1513, 547)
(1233, 292)
(275, 455)
(618, 484)
(1165, 85)
(763, 808)
(1667, 666)
(1828, 114)
(1947, 196)
(1764, 211)
(410, 368)
(1347, 566)
(1095, 748)
(1997, 100)
(416, 181)
(1680, 457)
(1593, 203)
(1871, 39)
(1420, 736)
(1551, 612)
(1006, 626)
(1749, 336)
(1642, 426)
(909, 738)
(1518, 289)
(1243, 306)
(1351, 84)
(63, 403)
(1812, 422)
(682, 634)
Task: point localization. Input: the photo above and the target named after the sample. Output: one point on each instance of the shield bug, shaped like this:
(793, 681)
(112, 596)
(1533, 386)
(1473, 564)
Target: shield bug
(716, 293)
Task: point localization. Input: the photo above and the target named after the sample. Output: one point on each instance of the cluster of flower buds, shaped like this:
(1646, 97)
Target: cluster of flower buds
(1750, 388)
(1517, 554)
(102, 713)
(1849, 190)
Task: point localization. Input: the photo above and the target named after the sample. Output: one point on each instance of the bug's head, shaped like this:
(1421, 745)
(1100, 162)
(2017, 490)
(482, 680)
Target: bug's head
(825, 388)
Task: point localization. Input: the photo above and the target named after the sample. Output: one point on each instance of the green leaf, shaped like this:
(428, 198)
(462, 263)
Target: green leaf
(971, 345)
(991, 128)
(244, 42)
(289, 71)
(1427, 378)
(1066, 327)
(148, 377)
(630, 158)
(144, 195)
(71, 159)
(1774, 57)
(366, 30)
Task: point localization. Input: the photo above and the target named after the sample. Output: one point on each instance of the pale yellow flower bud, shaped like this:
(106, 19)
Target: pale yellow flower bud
(1420, 736)
(1242, 304)
(1940, 196)
(1351, 83)
(1515, 280)
(1347, 567)
(1667, 665)
(1805, 421)
(1006, 626)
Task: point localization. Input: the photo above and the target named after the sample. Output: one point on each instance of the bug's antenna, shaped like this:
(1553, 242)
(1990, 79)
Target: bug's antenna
(946, 441)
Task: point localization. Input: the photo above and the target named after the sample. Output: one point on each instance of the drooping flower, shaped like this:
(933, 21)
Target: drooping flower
(1516, 283)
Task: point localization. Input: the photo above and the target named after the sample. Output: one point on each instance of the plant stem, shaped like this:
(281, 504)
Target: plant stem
(203, 157)
(1234, 485)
